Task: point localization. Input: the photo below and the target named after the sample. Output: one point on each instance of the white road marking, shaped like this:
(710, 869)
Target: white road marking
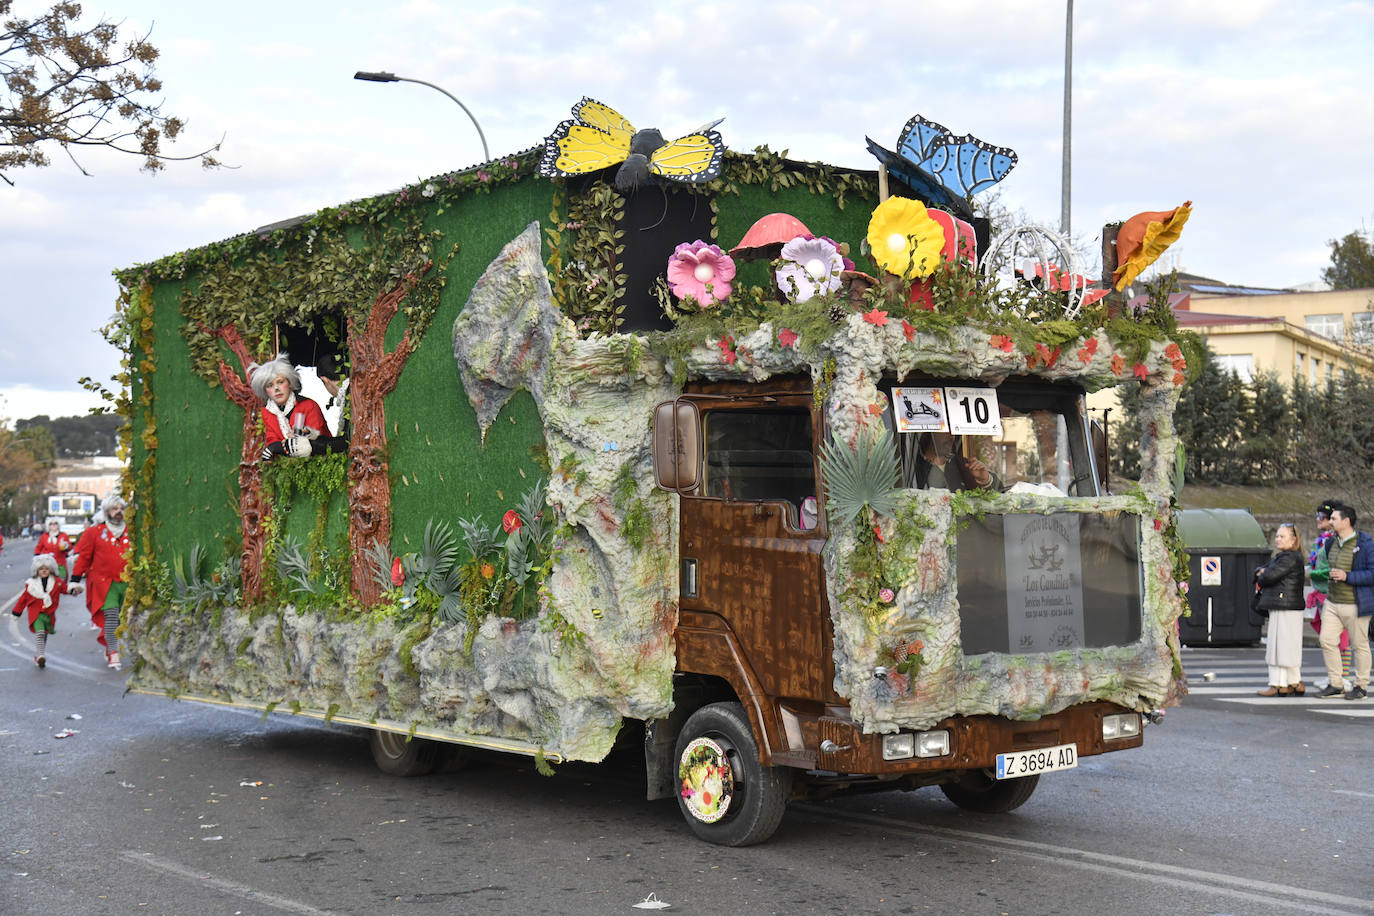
(201, 879)
(1176, 876)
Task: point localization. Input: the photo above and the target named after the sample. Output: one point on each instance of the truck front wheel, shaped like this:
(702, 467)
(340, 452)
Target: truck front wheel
(978, 791)
(396, 756)
(727, 796)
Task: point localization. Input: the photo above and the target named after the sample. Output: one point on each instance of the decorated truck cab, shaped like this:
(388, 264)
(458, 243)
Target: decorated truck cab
(782, 468)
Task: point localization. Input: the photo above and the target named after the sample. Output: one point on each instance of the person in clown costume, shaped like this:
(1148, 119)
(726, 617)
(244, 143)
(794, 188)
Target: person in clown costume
(54, 541)
(39, 601)
(101, 557)
(292, 423)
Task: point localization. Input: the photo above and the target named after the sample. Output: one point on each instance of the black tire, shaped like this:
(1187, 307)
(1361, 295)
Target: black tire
(396, 756)
(978, 791)
(751, 797)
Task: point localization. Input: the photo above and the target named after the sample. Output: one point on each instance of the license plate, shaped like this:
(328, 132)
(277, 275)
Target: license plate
(1042, 760)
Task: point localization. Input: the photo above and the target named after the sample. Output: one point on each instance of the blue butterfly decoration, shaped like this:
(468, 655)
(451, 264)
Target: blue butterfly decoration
(944, 169)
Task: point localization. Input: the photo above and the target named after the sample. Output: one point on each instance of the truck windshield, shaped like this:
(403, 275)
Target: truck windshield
(1037, 441)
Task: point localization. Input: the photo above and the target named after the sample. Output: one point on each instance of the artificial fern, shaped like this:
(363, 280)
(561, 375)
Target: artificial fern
(860, 478)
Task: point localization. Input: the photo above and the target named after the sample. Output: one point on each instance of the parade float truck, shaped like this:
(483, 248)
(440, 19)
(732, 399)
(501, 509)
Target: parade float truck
(641, 441)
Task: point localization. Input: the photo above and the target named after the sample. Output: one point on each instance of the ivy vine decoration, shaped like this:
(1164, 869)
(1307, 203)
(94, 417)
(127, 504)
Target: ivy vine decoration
(446, 190)
(584, 270)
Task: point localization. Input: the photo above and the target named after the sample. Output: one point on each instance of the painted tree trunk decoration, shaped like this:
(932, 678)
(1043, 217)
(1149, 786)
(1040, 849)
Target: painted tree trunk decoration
(374, 375)
(253, 509)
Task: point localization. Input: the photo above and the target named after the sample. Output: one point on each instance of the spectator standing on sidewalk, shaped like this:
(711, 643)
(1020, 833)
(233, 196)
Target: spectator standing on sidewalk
(1280, 583)
(1320, 570)
(1349, 600)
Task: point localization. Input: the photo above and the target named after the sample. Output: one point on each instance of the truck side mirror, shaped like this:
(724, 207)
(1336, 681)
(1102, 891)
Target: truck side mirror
(677, 445)
(1101, 452)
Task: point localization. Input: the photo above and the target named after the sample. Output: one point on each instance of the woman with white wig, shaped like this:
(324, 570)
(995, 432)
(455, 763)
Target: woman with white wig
(39, 601)
(290, 421)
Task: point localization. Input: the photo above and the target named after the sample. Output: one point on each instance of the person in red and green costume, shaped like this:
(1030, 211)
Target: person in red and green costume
(39, 601)
(101, 558)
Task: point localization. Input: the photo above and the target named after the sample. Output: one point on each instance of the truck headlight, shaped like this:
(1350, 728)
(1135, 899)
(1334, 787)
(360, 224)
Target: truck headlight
(932, 744)
(1125, 725)
(920, 744)
(899, 746)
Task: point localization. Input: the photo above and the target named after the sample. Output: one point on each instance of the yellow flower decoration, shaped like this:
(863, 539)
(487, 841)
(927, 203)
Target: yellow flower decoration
(1143, 238)
(904, 239)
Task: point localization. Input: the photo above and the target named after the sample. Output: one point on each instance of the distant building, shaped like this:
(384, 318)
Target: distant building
(1314, 335)
(98, 475)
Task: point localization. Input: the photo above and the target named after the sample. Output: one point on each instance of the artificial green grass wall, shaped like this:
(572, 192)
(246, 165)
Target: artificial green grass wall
(199, 442)
(440, 467)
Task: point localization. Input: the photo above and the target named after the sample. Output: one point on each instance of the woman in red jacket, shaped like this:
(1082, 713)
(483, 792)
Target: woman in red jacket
(39, 601)
(290, 421)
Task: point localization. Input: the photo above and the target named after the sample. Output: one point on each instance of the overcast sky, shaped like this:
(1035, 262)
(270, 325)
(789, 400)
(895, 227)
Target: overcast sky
(1259, 112)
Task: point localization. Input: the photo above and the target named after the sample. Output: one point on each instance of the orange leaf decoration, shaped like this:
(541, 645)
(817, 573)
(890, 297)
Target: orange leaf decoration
(1141, 372)
(787, 337)
(1118, 364)
(1143, 238)
(908, 331)
(876, 317)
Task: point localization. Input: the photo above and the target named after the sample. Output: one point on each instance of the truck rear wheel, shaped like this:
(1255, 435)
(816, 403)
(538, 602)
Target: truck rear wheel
(727, 796)
(978, 791)
(396, 756)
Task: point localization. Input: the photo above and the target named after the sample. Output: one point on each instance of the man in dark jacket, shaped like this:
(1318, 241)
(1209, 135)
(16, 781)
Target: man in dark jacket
(1349, 602)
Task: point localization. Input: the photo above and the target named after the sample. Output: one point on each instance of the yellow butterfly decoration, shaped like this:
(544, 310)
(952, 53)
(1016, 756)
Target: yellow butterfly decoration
(598, 137)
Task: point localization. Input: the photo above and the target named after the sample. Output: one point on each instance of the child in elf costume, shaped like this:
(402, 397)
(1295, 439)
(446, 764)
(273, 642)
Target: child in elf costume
(39, 601)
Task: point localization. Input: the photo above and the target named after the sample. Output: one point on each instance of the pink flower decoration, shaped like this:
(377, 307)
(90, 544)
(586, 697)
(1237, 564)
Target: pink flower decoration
(886, 595)
(809, 267)
(787, 337)
(701, 271)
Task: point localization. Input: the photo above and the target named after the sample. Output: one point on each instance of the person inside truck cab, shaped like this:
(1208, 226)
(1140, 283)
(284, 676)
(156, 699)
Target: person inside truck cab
(292, 423)
(941, 466)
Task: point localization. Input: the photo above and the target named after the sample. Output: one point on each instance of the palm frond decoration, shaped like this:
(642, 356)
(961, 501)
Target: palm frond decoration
(478, 538)
(293, 565)
(860, 478)
(378, 559)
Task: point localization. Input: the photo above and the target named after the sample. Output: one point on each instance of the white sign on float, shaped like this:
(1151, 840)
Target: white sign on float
(1044, 582)
(919, 410)
(974, 411)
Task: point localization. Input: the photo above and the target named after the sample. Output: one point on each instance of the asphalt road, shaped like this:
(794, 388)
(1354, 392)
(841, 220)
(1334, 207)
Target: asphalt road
(1235, 805)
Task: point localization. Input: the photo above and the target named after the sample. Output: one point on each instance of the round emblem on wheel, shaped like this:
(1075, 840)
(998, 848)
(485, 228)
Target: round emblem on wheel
(706, 780)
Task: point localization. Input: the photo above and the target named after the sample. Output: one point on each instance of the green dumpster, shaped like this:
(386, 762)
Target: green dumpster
(1225, 547)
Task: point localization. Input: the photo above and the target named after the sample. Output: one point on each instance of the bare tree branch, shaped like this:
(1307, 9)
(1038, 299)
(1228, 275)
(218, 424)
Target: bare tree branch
(67, 85)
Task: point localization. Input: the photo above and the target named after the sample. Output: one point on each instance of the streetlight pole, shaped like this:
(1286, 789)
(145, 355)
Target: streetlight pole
(383, 77)
(1068, 123)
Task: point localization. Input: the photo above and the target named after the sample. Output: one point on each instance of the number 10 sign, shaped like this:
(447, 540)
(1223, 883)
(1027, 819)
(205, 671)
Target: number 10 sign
(973, 411)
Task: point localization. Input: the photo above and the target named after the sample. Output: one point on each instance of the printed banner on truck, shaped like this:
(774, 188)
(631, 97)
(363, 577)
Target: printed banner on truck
(1044, 582)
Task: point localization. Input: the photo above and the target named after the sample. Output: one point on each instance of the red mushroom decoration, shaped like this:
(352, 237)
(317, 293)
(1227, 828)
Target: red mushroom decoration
(767, 236)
